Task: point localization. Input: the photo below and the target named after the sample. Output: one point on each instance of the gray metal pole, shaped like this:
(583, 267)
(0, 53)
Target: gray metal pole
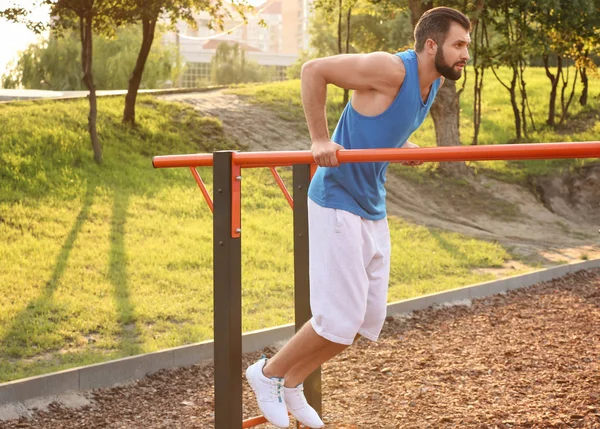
(227, 300)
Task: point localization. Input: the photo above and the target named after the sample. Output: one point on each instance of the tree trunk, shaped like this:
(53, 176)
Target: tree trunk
(149, 27)
(479, 69)
(565, 106)
(479, 66)
(417, 7)
(554, 81)
(339, 38)
(445, 114)
(514, 104)
(346, 92)
(85, 31)
(524, 100)
(477, 104)
(584, 92)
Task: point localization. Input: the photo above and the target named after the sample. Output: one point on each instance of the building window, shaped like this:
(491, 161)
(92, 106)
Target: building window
(196, 75)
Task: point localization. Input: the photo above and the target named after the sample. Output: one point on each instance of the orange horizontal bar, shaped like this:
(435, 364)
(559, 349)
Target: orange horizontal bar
(194, 160)
(435, 154)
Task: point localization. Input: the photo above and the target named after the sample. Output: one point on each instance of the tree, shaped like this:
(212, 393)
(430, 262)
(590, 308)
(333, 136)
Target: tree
(511, 22)
(376, 28)
(348, 5)
(51, 64)
(359, 26)
(584, 45)
(342, 9)
(86, 16)
(566, 31)
(18, 15)
(480, 63)
(149, 12)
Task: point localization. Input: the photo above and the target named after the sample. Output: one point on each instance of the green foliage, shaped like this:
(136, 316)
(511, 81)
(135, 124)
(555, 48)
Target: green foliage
(374, 26)
(231, 65)
(102, 15)
(295, 70)
(55, 64)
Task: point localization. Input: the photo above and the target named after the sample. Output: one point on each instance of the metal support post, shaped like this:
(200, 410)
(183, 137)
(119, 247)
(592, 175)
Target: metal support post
(301, 177)
(227, 296)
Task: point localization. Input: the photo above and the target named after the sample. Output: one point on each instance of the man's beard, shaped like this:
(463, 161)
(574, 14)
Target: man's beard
(444, 69)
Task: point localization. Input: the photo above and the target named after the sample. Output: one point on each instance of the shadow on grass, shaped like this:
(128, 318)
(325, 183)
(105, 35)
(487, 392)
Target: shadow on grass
(36, 324)
(117, 273)
(36, 329)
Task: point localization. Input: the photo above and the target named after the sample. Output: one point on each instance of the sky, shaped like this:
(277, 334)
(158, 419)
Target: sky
(16, 37)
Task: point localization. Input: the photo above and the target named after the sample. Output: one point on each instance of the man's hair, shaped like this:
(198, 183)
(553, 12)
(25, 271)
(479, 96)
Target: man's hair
(435, 23)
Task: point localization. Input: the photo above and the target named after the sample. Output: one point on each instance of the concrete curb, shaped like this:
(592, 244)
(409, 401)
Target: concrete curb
(132, 368)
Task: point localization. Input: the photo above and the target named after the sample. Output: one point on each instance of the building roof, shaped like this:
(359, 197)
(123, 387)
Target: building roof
(214, 44)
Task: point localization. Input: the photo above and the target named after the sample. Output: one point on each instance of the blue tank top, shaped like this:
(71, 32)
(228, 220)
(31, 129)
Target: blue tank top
(359, 187)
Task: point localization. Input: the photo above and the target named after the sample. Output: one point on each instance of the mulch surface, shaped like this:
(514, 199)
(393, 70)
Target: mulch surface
(526, 359)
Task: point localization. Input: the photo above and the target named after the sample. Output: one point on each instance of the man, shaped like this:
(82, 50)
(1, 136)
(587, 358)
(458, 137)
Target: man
(348, 230)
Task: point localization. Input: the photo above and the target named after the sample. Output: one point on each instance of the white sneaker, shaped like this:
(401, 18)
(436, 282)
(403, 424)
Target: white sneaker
(297, 405)
(269, 394)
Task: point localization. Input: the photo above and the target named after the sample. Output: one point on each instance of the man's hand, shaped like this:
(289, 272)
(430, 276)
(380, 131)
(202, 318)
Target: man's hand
(325, 153)
(409, 145)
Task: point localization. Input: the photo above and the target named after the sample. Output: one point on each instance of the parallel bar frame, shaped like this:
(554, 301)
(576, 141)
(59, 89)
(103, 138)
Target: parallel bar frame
(227, 167)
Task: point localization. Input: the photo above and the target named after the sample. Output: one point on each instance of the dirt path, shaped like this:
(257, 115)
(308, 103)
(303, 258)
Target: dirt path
(564, 229)
(529, 359)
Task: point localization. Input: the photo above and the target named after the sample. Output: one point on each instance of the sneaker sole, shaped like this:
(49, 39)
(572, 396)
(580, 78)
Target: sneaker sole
(304, 424)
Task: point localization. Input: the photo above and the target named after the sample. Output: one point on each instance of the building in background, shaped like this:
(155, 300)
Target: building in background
(295, 15)
(276, 45)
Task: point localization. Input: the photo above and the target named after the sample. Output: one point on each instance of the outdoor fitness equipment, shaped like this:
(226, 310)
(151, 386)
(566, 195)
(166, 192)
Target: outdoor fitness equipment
(227, 229)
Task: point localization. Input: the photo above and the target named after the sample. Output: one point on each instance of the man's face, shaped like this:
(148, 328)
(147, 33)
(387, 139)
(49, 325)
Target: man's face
(451, 58)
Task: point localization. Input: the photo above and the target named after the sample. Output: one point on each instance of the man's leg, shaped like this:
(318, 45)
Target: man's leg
(306, 350)
(303, 369)
(304, 353)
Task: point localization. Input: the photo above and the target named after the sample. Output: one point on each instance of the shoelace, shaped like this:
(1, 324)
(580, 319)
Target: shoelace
(300, 393)
(276, 389)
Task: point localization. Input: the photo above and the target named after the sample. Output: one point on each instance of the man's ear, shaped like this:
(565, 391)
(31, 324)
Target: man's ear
(431, 46)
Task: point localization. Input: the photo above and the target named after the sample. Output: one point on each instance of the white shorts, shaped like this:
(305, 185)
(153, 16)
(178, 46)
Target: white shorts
(349, 260)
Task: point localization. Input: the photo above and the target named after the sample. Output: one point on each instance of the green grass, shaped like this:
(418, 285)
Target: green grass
(497, 125)
(101, 262)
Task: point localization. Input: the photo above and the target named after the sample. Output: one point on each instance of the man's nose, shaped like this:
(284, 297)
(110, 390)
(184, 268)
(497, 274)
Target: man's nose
(466, 55)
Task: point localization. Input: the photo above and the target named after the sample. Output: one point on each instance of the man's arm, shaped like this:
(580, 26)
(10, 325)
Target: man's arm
(379, 71)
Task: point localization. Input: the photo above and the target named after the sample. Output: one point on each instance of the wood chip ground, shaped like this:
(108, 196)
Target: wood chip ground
(526, 359)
